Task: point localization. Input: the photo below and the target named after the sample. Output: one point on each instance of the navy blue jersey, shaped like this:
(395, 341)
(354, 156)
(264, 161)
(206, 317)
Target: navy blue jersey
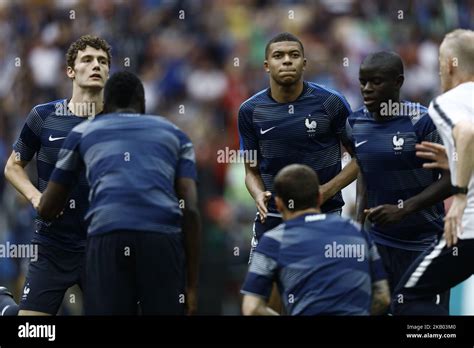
(306, 131)
(132, 162)
(385, 152)
(323, 265)
(42, 135)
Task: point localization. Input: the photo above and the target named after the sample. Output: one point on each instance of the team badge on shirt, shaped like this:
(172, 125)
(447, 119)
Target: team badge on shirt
(310, 126)
(398, 143)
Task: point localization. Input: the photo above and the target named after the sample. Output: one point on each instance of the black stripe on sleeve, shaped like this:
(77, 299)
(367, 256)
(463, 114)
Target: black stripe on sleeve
(442, 114)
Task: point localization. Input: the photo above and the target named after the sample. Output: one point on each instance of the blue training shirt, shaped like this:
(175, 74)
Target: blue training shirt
(306, 131)
(132, 162)
(386, 155)
(43, 134)
(323, 265)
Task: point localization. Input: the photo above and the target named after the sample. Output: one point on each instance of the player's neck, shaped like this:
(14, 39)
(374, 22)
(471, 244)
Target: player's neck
(86, 102)
(286, 94)
(288, 215)
(459, 80)
(385, 112)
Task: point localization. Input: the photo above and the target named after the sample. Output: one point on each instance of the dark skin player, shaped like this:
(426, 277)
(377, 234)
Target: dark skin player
(380, 82)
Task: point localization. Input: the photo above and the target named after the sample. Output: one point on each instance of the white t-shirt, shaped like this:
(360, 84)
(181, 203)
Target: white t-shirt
(446, 111)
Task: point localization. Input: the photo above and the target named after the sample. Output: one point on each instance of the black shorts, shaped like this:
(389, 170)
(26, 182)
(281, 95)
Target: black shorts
(271, 222)
(396, 262)
(53, 272)
(260, 228)
(125, 268)
(437, 270)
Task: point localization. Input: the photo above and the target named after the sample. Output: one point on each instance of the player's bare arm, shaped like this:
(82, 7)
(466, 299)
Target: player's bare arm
(186, 191)
(393, 213)
(16, 174)
(53, 200)
(347, 175)
(254, 305)
(380, 297)
(463, 134)
(254, 184)
(361, 199)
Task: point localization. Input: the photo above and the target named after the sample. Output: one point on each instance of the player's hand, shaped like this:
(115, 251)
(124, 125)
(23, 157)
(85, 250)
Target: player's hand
(35, 200)
(191, 301)
(262, 201)
(453, 220)
(385, 214)
(433, 152)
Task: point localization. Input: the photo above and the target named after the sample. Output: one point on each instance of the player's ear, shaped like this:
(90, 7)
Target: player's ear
(70, 72)
(451, 63)
(265, 66)
(279, 204)
(304, 63)
(400, 80)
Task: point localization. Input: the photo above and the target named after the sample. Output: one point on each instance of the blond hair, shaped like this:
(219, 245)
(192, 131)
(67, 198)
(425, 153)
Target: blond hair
(459, 45)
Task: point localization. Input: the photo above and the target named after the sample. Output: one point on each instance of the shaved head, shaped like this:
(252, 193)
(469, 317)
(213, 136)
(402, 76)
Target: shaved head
(388, 62)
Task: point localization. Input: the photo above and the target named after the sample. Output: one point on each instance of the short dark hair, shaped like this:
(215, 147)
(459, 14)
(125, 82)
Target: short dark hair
(82, 43)
(281, 38)
(298, 187)
(124, 90)
(388, 61)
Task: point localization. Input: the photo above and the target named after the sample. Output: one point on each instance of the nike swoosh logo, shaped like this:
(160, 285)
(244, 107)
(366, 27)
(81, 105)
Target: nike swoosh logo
(266, 130)
(54, 139)
(361, 143)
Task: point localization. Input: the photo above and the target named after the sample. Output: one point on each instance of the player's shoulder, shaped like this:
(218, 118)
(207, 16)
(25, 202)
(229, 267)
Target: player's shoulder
(251, 103)
(163, 123)
(316, 88)
(82, 127)
(275, 234)
(357, 115)
(320, 90)
(342, 220)
(45, 109)
(417, 113)
(456, 96)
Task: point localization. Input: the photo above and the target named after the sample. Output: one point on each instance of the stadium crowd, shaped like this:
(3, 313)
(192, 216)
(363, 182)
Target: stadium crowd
(199, 60)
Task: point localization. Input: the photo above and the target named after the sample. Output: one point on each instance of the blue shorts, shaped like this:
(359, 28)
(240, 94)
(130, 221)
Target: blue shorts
(127, 268)
(53, 272)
